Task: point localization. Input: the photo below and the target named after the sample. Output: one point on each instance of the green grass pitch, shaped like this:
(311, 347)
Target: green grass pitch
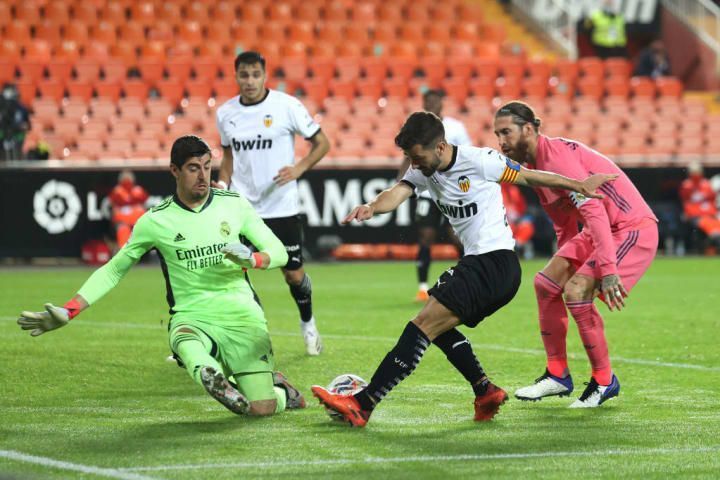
(97, 399)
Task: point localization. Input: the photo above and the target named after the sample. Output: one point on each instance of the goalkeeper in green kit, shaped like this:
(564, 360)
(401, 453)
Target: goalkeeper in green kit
(218, 329)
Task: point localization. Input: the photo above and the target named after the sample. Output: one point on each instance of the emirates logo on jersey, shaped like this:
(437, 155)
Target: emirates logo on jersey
(267, 121)
(464, 183)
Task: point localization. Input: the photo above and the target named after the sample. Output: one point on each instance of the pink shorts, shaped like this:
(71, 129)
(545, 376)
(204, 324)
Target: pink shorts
(635, 251)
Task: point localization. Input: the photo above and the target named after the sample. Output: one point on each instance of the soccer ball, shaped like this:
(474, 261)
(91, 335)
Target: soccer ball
(345, 384)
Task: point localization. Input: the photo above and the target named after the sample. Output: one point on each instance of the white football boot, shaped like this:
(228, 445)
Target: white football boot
(220, 389)
(546, 386)
(313, 342)
(595, 394)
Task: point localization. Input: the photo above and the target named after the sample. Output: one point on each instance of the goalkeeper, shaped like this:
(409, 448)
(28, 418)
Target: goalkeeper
(217, 328)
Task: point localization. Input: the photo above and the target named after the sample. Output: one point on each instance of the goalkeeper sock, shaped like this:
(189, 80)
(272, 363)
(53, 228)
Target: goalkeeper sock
(280, 398)
(459, 352)
(194, 355)
(423, 263)
(397, 365)
(302, 293)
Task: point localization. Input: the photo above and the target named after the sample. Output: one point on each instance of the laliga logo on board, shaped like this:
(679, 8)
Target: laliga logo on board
(56, 207)
(464, 183)
(267, 121)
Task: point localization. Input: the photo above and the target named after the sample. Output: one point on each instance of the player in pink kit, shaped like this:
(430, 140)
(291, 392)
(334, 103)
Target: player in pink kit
(614, 249)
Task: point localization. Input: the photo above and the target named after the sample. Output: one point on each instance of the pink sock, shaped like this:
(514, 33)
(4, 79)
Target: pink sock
(592, 332)
(553, 323)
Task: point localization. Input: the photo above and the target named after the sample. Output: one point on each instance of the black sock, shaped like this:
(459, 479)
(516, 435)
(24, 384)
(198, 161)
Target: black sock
(423, 263)
(302, 294)
(395, 367)
(459, 352)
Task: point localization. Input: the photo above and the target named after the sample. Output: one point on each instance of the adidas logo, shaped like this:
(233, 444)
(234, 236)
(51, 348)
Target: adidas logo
(179, 237)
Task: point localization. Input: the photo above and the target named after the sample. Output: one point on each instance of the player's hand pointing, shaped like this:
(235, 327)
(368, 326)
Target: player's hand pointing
(593, 182)
(288, 174)
(359, 213)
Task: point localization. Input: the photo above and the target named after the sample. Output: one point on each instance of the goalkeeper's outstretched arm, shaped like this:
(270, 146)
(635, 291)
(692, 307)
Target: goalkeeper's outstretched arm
(100, 282)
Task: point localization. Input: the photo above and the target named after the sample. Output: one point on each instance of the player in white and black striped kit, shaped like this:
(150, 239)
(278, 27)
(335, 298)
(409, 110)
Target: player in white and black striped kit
(464, 182)
(257, 132)
(428, 218)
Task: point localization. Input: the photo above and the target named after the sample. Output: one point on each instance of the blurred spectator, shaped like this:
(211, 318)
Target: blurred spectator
(128, 205)
(520, 222)
(14, 123)
(607, 30)
(653, 61)
(699, 207)
(41, 151)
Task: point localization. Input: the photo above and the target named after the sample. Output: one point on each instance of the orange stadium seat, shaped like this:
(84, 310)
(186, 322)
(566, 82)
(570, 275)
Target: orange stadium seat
(539, 69)
(535, 87)
(434, 68)
(17, 31)
(27, 11)
(159, 109)
(335, 12)
(179, 68)
(252, 13)
(390, 12)
(49, 31)
(108, 89)
(132, 32)
(617, 86)
(466, 31)
(294, 49)
(104, 32)
(131, 108)
(508, 88)
(438, 33)
(402, 67)
(456, 88)
(225, 87)
(591, 86)
(147, 148)
(151, 70)
(143, 13)
(363, 13)
(67, 131)
(493, 32)
(374, 67)
(606, 145)
(567, 69)
(153, 129)
(417, 15)
(196, 12)
(342, 88)
(81, 89)
(669, 87)
(512, 67)
(60, 69)
(634, 144)
(113, 11)
(172, 90)
(642, 87)
(618, 67)
(84, 13)
(117, 148)
(470, 12)
(332, 33)
(316, 89)
(103, 108)
(591, 67)
(92, 148)
(125, 129)
(396, 87)
(198, 88)
(76, 32)
(57, 11)
(369, 87)
(690, 146)
(349, 50)
(482, 87)
(280, 12)
(460, 67)
(460, 49)
(135, 88)
(220, 12)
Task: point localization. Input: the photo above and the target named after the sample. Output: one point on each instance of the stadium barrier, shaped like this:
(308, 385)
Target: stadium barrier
(59, 209)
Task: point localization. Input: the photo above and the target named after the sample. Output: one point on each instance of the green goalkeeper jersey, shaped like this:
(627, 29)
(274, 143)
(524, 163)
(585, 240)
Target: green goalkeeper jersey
(200, 282)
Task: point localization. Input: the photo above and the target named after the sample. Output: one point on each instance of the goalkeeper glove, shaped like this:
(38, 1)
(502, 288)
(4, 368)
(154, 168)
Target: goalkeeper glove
(40, 322)
(242, 255)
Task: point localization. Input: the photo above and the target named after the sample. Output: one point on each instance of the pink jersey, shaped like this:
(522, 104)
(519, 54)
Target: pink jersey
(623, 207)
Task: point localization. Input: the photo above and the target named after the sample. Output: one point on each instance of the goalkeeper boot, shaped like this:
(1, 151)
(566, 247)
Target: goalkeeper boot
(345, 405)
(488, 404)
(311, 336)
(220, 389)
(546, 385)
(596, 394)
(295, 399)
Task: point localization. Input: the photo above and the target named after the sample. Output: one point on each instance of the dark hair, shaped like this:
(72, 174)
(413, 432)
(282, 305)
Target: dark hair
(433, 92)
(249, 58)
(423, 128)
(520, 112)
(187, 147)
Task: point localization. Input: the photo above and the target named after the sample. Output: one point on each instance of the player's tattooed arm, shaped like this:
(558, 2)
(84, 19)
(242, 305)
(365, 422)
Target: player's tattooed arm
(540, 178)
(386, 201)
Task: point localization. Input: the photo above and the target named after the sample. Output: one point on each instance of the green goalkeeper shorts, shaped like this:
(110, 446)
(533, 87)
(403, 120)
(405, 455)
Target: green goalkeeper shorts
(242, 350)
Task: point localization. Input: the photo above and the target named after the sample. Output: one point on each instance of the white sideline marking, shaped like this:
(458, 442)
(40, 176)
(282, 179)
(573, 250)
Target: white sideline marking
(366, 338)
(75, 467)
(423, 459)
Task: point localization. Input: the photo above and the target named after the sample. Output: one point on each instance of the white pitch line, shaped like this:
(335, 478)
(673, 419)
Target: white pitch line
(425, 459)
(75, 467)
(370, 338)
